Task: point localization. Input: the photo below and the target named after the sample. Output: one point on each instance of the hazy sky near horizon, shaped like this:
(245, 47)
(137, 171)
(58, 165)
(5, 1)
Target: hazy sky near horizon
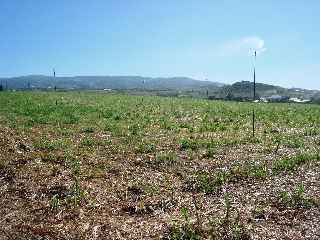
(203, 39)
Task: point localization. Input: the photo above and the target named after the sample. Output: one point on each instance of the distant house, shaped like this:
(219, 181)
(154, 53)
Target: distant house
(263, 99)
(298, 100)
(277, 98)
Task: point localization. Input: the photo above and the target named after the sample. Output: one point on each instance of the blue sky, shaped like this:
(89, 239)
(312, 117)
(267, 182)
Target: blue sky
(204, 39)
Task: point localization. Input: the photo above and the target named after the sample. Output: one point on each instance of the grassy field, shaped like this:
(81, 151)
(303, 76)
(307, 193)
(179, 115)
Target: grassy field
(107, 166)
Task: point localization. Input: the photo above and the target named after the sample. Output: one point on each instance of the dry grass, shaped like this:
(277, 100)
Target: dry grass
(122, 167)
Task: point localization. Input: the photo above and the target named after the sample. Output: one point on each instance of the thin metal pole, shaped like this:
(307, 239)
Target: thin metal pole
(254, 93)
(54, 79)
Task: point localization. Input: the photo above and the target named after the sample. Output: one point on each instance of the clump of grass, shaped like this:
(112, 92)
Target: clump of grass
(187, 126)
(295, 198)
(87, 142)
(289, 164)
(114, 127)
(228, 227)
(166, 159)
(55, 202)
(88, 129)
(203, 182)
(188, 144)
(145, 147)
(187, 231)
(226, 215)
(134, 129)
(232, 228)
(257, 170)
(294, 142)
(259, 211)
(209, 153)
(77, 194)
(50, 145)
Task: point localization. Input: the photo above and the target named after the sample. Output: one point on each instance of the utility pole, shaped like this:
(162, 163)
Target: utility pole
(54, 79)
(55, 84)
(254, 92)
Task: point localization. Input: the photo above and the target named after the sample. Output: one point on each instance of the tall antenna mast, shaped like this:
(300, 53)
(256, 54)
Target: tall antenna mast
(54, 79)
(254, 76)
(254, 92)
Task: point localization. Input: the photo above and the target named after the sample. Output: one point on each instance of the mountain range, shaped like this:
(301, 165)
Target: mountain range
(175, 86)
(106, 82)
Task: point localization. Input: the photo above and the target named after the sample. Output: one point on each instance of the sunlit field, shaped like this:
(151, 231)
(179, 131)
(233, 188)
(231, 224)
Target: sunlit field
(90, 165)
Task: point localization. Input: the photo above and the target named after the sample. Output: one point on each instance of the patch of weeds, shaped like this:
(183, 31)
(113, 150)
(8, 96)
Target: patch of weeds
(203, 182)
(187, 126)
(257, 170)
(289, 164)
(186, 232)
(231, 229)
(88, 129)
(114, 127)
(65, 131)
(98, 171)
(294, 142)
(67, 117)
(134, 129)
(249, 169)
(212, 127)
(77, 195)
(259, 211)
(166, 159)
(188, 144)
(295, 198)
(211, 144)
(74, 199)
(87, 142)
(166, 124)
(55, 203)
(50, 145)
(209, 153)
(311, 132)
(145, 147)
(226, 228)
(254, 140)
(239, 231)
(52, 157)
(74, 164)
(225, 219)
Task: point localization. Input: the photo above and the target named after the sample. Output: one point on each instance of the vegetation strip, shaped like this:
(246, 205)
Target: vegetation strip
(203, 182)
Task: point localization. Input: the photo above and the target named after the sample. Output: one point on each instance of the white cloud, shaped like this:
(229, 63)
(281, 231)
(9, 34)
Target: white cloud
(243, 46)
